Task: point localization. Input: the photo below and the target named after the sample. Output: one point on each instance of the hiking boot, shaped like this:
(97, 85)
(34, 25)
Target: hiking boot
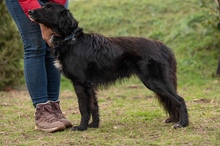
(58, 113)
(46, 120)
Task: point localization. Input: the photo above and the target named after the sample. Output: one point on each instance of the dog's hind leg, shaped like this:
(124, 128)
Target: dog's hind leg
(172, 103)
(156, 78)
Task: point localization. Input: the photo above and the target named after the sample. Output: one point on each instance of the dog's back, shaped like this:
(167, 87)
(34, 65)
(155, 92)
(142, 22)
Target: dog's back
(101, 60)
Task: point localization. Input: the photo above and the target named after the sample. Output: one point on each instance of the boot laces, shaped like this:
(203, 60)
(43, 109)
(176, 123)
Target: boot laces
(48, 114)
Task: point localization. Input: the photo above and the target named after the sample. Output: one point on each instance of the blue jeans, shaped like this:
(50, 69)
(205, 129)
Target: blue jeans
(42, 78)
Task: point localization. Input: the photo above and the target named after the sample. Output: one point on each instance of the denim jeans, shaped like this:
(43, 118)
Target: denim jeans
(42, 78)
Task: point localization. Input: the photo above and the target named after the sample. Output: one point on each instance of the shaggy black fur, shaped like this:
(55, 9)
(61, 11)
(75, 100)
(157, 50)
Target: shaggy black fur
(218, 69)
(92, 60)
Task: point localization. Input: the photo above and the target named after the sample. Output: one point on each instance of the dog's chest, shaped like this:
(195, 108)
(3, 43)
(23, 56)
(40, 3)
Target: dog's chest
(58, 65)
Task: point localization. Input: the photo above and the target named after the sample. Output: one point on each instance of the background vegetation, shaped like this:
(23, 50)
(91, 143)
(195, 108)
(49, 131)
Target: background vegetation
(10, 51)
(130, 114)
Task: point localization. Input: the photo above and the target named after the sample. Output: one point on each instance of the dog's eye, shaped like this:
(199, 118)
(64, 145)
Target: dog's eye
(48, 7)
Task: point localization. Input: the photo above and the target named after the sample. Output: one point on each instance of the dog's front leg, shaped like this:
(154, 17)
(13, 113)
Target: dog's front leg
(83, 101)
(94, 107)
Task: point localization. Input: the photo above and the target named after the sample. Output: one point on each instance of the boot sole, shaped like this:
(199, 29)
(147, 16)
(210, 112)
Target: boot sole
(50, 130)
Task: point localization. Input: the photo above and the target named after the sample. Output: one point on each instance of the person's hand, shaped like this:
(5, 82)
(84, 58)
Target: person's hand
(46, 33)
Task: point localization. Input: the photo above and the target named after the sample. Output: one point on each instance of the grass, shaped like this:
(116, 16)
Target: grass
(130, 114)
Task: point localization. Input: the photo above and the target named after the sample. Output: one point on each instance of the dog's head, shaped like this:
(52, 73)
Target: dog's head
(55, 17)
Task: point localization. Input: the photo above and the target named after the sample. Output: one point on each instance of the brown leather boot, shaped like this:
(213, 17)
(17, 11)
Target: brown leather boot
(46, 120)
(57, 111)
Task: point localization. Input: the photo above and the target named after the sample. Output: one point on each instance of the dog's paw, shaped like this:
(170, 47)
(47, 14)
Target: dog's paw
(93, 125)
(78, 128)
(170, 120)
(177, 125)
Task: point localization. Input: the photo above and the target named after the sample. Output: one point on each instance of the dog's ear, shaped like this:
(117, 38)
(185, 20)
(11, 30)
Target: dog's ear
(67, 23)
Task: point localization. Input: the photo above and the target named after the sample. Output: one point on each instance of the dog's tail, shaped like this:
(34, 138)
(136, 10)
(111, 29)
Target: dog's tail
(169, 59)
(170, 76)
(172, 66)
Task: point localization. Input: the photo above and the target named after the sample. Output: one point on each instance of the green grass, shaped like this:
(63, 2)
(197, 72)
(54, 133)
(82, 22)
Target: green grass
(130, 114)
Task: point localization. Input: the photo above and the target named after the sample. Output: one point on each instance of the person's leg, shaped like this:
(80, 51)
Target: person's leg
(34, 53)
(53, 77)
(67, 3)
(35, 68)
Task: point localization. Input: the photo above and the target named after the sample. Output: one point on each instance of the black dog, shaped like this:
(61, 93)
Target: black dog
(92, 60)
